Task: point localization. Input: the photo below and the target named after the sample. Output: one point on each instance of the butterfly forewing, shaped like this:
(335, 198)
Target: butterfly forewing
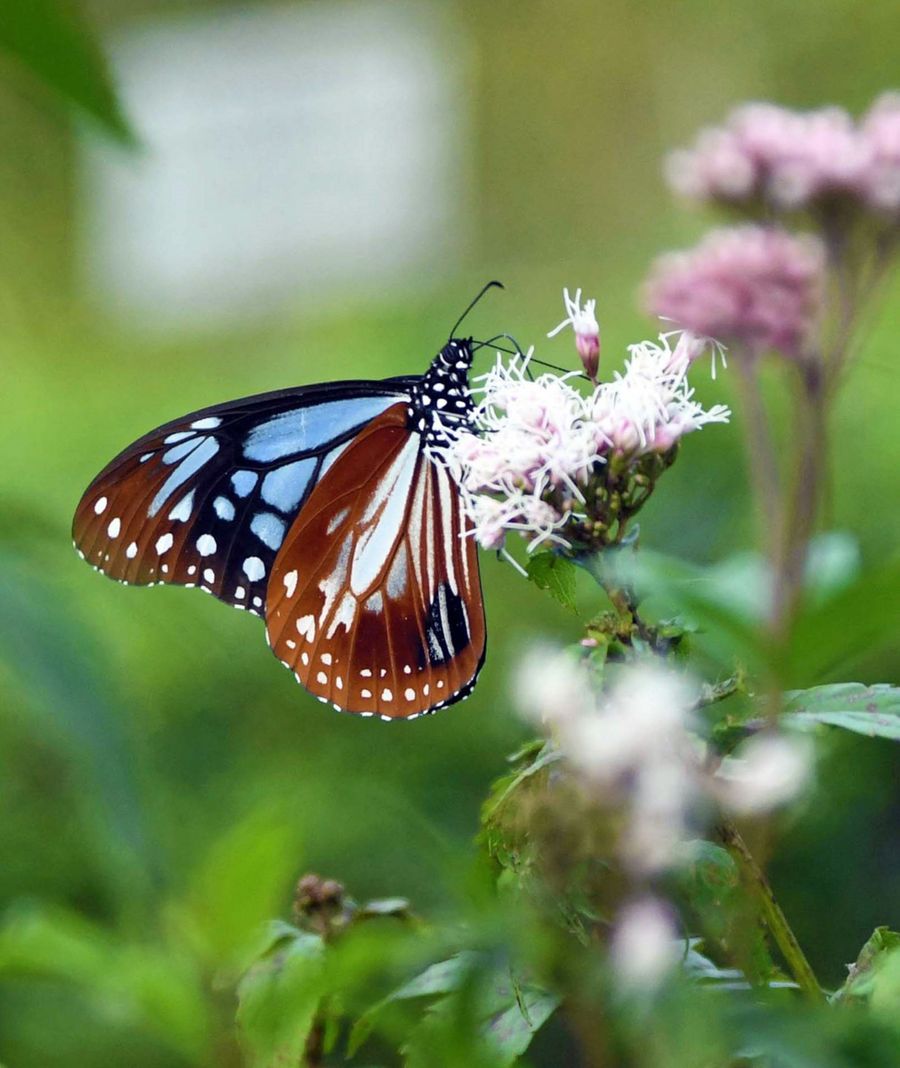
(375, 599)
(207, 500)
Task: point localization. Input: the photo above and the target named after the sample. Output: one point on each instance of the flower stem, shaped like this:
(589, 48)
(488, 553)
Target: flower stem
(803, 506)
(761, 891)
(762, 460)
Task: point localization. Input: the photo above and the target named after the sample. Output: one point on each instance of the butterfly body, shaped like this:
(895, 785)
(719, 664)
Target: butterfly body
(321, 510)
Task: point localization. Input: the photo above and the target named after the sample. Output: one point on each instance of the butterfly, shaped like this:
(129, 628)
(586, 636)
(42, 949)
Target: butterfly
(323, 510)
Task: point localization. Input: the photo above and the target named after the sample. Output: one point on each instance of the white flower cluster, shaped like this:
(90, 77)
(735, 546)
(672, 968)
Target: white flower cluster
(633, 747)
(538, 444)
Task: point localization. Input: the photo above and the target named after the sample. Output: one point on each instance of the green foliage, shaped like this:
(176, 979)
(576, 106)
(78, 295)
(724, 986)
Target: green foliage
(875, 975)
(56, 44)
(161, 784)
(153, 987)
(554, 573)
(870, 710)
(279, 996)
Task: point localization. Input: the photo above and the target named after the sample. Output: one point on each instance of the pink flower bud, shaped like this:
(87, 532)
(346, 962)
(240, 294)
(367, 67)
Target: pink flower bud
(588, 346)
(587, 331)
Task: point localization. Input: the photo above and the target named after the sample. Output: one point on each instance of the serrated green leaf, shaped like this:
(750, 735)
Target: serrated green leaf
(556, 575)
(54, 42)
(870, 710)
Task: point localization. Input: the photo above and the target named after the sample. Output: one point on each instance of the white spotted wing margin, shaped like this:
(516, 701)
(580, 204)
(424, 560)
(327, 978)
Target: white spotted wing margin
(374, 601)
(206, 500)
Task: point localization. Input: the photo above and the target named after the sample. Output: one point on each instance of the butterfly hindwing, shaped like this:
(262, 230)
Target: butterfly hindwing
(375, 600)
(206, 500)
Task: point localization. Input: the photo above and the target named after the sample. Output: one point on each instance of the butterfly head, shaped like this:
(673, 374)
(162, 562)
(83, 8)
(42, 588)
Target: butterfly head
(441, 400)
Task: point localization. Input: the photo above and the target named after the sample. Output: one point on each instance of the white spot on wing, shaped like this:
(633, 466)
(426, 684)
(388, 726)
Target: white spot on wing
(206, 545)
(209, 423)
(131, 551)
(164, 543)
(290, 583)
(100, 505)
(268, 528)
(254, 568)
(224, 508)
(115, 525)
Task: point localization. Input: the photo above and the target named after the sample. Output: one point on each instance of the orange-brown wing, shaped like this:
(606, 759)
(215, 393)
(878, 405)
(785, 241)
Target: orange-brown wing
(374, 601)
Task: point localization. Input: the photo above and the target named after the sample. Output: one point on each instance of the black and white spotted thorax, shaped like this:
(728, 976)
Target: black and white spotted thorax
(441, 402)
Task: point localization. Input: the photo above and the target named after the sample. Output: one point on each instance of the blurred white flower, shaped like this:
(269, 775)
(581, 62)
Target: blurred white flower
(766, 772)
(645, 712)
(645, 944)
(553, 688)
(629, 746)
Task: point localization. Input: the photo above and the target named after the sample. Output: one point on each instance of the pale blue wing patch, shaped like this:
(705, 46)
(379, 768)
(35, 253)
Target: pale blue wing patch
(313, 427)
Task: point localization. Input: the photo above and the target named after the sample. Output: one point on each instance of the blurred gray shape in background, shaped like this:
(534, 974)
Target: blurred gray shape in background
(288, 153)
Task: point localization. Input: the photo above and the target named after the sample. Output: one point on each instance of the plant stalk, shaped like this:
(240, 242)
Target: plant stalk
(761, 891)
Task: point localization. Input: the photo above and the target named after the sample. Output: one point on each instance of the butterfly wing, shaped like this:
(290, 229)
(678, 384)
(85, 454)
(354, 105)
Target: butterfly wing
(206, 500)
(374, 601)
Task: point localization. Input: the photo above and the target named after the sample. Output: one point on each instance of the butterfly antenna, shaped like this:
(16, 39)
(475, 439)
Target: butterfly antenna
(481, 293)
(553, 366)
(490, 341)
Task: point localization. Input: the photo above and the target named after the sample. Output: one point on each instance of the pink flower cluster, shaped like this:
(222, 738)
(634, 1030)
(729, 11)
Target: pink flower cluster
(758, 287)
(540, 453)
(788, 160)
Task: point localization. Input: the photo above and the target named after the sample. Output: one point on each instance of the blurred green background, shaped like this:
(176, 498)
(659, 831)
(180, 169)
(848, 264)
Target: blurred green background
(159, 772)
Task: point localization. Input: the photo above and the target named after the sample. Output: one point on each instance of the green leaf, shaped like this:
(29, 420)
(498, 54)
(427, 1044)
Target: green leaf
(398, 907)
(239, 882)
(278, 998)
(152, 988)
(437, 979)
(506, 785)
(870, 710)
(53, 41)
(556, 575)
(862, 980)
(505, 1011)
(510, 1031)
